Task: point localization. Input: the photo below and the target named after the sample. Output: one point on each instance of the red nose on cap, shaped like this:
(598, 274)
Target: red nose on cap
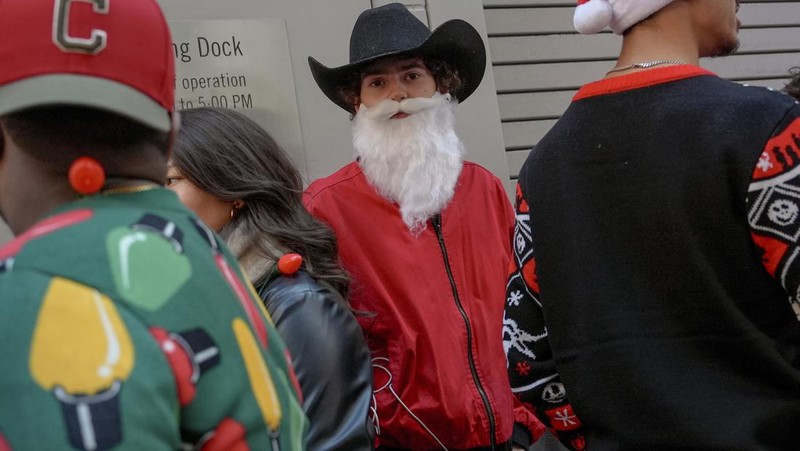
(86, 175)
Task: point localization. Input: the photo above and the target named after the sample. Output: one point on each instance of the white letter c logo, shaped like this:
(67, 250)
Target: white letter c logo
(91, 45)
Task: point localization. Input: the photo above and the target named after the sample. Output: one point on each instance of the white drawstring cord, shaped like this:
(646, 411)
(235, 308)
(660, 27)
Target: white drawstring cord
(388, 385)
(376, 422)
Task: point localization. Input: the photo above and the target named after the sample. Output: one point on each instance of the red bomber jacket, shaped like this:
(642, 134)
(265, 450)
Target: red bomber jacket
(432, 308)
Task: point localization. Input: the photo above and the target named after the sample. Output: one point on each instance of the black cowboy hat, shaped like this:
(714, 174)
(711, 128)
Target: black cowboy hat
(392, 30)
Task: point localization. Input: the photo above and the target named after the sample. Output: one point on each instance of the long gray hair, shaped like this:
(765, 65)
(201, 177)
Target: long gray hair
(229, 156)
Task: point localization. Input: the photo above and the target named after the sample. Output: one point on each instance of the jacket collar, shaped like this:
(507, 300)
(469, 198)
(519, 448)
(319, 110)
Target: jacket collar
(640, 79)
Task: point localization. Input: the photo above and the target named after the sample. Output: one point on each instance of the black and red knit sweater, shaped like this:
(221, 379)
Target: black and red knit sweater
(656, 279)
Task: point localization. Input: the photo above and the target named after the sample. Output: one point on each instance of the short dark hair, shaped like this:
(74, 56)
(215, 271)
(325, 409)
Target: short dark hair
(792, 87)
(228, 155)
(57, 135)
(447, 78)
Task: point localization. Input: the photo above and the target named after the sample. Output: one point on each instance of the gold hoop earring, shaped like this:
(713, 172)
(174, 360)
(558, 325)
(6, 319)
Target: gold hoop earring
(232, 209)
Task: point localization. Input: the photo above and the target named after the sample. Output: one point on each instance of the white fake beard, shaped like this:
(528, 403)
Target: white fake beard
(414, 161)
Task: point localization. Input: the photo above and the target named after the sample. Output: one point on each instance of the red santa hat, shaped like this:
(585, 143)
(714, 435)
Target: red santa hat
(592, 16)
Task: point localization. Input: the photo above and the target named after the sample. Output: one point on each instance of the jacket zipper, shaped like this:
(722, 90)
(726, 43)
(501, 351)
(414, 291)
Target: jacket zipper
(437, 227)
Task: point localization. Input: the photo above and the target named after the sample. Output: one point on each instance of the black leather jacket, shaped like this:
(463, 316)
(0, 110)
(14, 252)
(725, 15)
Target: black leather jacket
(330, 358)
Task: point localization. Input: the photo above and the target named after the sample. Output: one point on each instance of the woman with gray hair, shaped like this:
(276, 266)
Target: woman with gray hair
(234, 176)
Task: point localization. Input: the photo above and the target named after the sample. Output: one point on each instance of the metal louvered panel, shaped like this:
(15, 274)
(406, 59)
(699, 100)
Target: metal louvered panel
(540, 61)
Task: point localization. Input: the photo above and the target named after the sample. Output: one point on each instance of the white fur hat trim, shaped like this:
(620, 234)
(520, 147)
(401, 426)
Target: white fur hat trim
(592, 17)
(595, 15)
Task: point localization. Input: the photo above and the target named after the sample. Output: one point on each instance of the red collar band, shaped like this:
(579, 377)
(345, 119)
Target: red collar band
(639, 79)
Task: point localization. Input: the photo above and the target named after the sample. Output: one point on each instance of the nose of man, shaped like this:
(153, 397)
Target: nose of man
(397, 91)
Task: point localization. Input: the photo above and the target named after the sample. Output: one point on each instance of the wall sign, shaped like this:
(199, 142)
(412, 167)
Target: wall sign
(243, 65)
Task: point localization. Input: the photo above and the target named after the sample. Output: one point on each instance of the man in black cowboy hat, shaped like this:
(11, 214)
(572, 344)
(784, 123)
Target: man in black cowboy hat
(424, 235)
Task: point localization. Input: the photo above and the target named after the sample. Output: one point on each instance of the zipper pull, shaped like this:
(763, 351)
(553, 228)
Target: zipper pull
(436, 220)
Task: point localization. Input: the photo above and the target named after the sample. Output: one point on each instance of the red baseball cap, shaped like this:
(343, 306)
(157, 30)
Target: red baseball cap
(114, 55)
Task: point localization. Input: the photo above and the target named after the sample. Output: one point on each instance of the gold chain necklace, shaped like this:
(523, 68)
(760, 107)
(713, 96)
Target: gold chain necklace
(132, 188)
(643, 65)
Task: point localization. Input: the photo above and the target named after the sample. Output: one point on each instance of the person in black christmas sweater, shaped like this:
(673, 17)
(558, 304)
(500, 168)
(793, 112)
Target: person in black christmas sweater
(654, 299)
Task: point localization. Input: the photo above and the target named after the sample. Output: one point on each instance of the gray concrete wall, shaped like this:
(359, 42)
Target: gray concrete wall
(322, 29)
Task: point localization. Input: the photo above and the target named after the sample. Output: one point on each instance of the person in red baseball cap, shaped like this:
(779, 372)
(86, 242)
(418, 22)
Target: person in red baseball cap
(125, 322)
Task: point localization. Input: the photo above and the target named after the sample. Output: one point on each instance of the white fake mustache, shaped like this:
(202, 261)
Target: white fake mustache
(388, 108)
